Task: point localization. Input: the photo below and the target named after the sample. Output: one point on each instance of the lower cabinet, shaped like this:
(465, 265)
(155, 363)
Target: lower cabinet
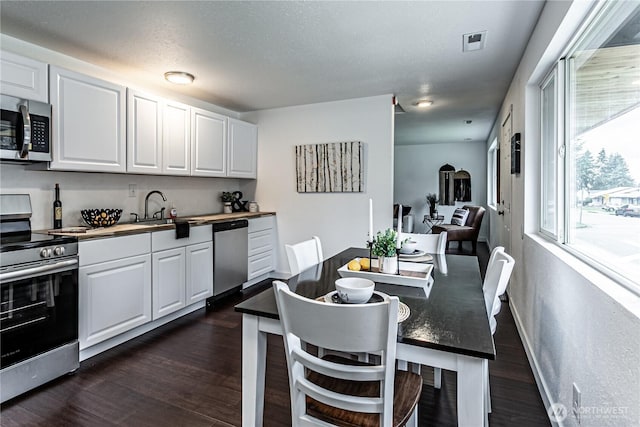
(261, 246)
(114, 294)
(182, 269)
(129, 281)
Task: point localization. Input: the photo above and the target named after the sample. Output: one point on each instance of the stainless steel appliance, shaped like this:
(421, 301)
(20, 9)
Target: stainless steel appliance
(230, 253)
(25, 130)
(38, 301)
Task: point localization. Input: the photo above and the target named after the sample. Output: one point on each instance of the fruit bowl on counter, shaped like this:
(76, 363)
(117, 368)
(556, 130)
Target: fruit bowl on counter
(101, 217)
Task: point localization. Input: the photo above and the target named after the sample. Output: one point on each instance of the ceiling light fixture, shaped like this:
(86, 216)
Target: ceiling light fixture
(179, 77)
(424, 103)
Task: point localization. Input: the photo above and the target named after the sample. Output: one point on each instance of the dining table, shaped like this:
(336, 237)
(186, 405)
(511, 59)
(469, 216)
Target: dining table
(447, 328)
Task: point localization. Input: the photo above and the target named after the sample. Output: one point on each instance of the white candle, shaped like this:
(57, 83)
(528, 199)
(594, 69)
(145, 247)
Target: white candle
(398, 241)
(371, 220)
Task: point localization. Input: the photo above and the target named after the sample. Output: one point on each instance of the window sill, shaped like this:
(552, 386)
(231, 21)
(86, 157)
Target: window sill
(619, 293)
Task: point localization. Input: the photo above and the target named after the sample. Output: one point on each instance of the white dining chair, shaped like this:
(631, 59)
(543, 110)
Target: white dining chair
(304, 254)
(337, 390)
(430, 243)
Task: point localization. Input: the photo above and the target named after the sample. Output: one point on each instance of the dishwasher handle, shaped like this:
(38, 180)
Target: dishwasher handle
(230, 225)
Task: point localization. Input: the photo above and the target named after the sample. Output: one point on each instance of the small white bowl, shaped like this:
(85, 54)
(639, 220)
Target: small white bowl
(409, 247)
(354, 290)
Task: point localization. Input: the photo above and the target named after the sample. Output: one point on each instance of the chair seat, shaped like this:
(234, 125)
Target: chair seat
(452, 227)
(407, 388)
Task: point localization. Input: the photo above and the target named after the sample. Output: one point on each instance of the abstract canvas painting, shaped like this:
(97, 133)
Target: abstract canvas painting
(330, 168)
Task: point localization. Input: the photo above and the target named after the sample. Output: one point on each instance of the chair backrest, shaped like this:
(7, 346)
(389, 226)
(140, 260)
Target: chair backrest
(351, 328)
(494, 253)
(474, 219)
(304, 254)
(495, 284)
(430, 243)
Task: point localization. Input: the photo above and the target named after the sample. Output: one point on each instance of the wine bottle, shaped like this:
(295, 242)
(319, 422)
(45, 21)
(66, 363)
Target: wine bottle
(57, 209)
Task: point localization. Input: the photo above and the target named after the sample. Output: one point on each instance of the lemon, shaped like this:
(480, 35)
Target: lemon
(364, 264)
(354, 265)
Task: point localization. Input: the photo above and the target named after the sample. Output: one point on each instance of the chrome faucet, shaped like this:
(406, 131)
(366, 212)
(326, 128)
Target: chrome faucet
(146, 202)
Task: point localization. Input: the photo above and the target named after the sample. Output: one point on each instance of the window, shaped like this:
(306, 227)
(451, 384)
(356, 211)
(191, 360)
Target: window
(493, 174)
(590, 159)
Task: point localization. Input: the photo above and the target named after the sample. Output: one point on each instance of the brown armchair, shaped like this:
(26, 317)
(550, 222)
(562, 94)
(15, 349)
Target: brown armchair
(467, 232)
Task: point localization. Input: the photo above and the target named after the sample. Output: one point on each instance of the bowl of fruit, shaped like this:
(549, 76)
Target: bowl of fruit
(101, 217)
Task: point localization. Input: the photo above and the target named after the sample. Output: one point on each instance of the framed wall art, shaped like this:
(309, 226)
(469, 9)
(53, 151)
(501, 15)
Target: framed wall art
(336, 167)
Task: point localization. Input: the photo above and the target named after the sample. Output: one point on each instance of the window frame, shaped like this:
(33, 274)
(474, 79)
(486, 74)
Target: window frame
(493, 172)
(588, 29)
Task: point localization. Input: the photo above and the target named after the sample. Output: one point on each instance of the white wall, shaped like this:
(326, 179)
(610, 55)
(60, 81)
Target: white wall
(339, 219)
(577, 325)
(103, 190)
(417, 173)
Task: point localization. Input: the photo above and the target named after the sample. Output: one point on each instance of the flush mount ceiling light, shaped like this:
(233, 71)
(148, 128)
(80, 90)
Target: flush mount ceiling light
(423, 103)
(179, 77)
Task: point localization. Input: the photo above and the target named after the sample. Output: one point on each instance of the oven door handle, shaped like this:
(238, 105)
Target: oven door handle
(42, 269)
(26, 131)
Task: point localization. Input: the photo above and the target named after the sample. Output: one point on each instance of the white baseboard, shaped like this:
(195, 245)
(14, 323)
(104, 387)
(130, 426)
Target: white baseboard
(543, 389)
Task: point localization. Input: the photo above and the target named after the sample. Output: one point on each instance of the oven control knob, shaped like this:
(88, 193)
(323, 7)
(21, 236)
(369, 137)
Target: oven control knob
(45, 253)
(58, 251)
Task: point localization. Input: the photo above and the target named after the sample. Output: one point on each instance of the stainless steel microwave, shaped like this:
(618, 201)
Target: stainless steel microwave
(25, 130)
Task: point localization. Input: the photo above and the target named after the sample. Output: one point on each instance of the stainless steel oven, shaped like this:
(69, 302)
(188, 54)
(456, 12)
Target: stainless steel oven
(38, 302)
(25, 130)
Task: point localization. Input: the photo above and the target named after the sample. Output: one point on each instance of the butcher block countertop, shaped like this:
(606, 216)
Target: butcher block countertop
(83, 233)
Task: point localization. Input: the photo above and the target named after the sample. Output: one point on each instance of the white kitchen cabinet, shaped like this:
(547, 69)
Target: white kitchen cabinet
(144, 133)
(176, 139)
(169, 281)
(158, 135)
(88, 122)
(243, 149)
(23, 77)
(208, 143)
(114, 287)
(261, 236)
(182, 269)
(199, 272)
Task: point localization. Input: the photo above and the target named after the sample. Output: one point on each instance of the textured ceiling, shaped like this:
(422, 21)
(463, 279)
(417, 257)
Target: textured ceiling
(256, 55)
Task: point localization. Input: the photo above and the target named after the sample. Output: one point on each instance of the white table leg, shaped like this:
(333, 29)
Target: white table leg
(254, 359)
(471, 392)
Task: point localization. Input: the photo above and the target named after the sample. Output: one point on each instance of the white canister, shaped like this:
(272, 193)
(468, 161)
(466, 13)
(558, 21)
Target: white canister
(253, 207)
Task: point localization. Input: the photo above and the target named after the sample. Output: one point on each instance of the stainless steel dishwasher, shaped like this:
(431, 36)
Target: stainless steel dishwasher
(230, 253)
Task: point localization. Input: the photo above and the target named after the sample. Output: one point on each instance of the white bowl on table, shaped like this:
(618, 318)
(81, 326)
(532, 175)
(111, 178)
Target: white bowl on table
(354, 290)
(409, 247)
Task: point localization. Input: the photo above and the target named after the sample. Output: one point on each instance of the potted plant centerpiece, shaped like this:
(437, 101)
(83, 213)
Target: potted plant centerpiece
(432, 199)
(384, 247)
(227, 198)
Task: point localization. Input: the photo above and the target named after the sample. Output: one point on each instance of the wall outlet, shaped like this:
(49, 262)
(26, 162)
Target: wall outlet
(132, 190)
(577, 402)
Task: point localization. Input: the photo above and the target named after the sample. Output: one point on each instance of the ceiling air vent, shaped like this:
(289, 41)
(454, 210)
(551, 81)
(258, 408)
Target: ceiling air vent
(473, 41)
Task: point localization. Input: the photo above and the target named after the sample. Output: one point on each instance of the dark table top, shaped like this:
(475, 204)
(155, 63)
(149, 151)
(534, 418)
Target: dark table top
(452, 318)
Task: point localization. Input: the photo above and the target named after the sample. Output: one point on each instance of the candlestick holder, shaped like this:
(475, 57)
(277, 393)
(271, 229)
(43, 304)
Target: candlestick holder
(370, 246)
(398, 261)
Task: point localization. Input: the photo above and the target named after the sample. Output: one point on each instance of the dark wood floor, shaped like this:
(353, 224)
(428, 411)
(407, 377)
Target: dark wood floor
(188, 373)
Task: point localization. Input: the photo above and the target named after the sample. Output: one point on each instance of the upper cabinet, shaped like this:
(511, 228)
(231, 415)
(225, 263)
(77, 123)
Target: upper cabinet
(243, 149)
(158, 135)
(89, 123)
(23, 77)
(208, 143)
(144, 133)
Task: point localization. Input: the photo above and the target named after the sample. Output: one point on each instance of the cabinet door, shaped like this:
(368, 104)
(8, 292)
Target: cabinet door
(168, 281)
(208, 143)
(243, 149)
(176, 139)
(144, 133)
(114, 297)
(260, 264)
(199, 272)
(23, 77)
(88, 122)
